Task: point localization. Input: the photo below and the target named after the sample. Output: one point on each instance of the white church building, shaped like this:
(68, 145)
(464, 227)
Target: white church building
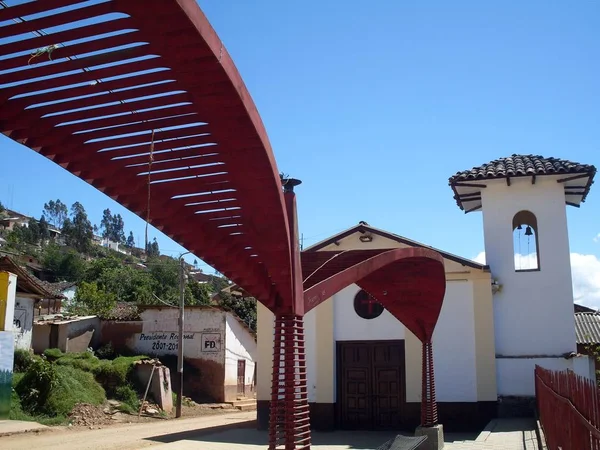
(498, 320)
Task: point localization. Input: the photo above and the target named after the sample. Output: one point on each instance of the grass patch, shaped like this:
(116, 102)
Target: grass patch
(51, 386)
(53, 390)
(73, 386)
(130, 402)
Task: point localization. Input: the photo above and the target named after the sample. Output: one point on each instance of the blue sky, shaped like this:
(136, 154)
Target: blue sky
(375, 104)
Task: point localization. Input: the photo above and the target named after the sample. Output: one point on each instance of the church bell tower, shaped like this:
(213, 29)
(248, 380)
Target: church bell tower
(523, 199)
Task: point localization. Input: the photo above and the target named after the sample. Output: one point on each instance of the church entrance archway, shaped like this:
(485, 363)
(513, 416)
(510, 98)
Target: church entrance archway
(371, 387)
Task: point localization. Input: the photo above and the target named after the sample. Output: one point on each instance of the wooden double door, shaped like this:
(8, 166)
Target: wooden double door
(370, 384)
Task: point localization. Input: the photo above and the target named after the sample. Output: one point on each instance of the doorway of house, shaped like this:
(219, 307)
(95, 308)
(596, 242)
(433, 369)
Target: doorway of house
(371, 384)
(241, 377)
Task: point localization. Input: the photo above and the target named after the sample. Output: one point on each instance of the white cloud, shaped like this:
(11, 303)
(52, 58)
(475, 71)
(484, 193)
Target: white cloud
(597, 238)
(586, 279)
(480, 258)
(585, 270)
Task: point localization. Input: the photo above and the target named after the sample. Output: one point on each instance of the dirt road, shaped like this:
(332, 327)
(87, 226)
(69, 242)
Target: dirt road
(129, 437)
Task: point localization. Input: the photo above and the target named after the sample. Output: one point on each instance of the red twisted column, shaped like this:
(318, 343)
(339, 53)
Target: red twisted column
(429, 416)
(289, 422)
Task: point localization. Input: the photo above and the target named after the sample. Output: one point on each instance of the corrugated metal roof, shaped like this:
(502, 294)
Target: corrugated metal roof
(587, 328)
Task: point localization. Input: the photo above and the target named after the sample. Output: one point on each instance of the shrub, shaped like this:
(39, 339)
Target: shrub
(129, 398)
(23, 360)
(115, 373)
(36, 385)
(106, 351)
(52, 354)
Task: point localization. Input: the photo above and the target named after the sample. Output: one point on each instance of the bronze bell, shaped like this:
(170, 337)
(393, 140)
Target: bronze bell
(528, 231)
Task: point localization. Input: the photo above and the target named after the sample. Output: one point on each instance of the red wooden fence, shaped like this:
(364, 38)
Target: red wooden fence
(569, 410)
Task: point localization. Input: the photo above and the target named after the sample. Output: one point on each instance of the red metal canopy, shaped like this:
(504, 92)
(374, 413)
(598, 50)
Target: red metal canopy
(409, 282)
(86, 84)
(141, 100)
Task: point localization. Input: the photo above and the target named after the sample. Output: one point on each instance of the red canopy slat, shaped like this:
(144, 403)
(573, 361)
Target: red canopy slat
(201, 70)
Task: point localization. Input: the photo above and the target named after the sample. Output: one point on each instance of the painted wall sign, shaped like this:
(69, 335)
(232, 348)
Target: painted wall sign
(211, 342)
(165, 341)
(203, 336)
(7, 343)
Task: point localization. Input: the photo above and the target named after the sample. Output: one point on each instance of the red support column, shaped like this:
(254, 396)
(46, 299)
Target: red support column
(289, 419)
(429, 416)
(289, 422)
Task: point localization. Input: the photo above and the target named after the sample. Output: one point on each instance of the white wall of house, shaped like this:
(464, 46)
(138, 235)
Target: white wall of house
(203, 337)
(239, 344)
(23, 322)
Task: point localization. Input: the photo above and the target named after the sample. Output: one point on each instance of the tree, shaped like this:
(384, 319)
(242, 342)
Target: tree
(66, 265)
(244, 307)
(16, 237)
(56, 212)
(32, 232)
(165, 273)
(127, 284)
(200, 293)
(89, 299)
(217, 284)
(130, 243)
(95, 268)
(152, 249)
(106, 224)
(44, 229)
(78, 230)
(118, 226)
(112, 227)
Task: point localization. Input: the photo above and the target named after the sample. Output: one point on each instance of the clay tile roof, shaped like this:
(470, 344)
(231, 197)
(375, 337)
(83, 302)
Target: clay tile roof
(587, 328)
(58, 287)
(577, 178)
(25, 282)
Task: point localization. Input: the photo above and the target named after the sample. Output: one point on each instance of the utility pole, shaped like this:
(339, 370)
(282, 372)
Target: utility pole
(180, 337)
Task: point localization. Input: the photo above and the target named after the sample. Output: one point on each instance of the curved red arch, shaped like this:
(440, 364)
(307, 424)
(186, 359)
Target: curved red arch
(92, 109)
(409, 282)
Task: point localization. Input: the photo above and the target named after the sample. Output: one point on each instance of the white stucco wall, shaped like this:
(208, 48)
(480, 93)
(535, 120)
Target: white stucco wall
(310, 342)
(453, 339)
(23, 322)
(454, 353)
(533, 313)
(204, 333)
(349, 326)
(239, 344)
(516, 376)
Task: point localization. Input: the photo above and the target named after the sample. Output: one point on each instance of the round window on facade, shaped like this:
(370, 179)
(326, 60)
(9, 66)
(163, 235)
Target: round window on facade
(366, 306)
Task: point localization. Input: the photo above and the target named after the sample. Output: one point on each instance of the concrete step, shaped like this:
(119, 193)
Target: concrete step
(245, 405)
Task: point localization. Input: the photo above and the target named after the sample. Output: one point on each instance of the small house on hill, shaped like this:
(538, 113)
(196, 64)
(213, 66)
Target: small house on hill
(219, 349)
